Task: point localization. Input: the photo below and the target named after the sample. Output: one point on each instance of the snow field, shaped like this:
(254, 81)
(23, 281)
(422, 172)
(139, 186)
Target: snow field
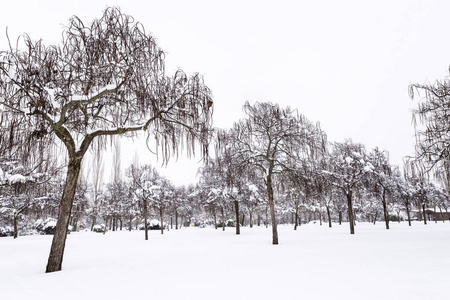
(202, 263)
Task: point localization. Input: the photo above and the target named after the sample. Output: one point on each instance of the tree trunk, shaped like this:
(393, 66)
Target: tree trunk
(171, 222)
(442, 215)
(131, 221)
(408, 214)
(350, 212)
(424, 214)
(75, 224)
(259, 219)
(296, 218)
(267, 217)
(215, 220)
(329, 216)
(106, 225)
(236, 209)
(176, 220)
(15, 227)
(434, 214)
(223, 220)
(251, 219)
(161, 213)
(340, 217)
(94, 219)
(55, 258)
(386, 214)
(272, 208)
(145, 219)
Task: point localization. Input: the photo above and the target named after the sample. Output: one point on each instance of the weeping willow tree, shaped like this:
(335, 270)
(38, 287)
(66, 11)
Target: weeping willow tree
(269, 139)
(432, 122)
(104, 79)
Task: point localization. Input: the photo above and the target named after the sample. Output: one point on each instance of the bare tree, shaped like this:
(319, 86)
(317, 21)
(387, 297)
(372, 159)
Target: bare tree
(216, 191)
(106, 78)
(418, 175)
(381, 182)
(348, 168)
(432, 124)
(268, 138)
(231, 170)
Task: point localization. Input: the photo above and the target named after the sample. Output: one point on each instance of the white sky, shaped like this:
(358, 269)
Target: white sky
(345, 64)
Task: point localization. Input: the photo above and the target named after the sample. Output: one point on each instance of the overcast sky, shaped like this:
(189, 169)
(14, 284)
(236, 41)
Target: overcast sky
(345, 64)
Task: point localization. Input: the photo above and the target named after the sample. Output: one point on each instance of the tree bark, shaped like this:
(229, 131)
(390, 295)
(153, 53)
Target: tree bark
(55, 258)
(424, 214)
(272, 209)
(145, 219)
(161, 214)
(223, 220)
(94, 219)
(408, 214)
(386, 214)
(75, 224)
(296, 218)
(329, 216)
(251, 220)
(267, 218)
(15, 227)
(176, 220)
(236, 208)
(106, 225)
(350, 212)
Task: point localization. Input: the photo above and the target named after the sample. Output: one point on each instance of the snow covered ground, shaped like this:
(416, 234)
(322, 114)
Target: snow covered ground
(314, 262)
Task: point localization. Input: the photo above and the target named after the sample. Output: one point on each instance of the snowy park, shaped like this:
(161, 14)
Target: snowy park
(313, 262)
(224, 150)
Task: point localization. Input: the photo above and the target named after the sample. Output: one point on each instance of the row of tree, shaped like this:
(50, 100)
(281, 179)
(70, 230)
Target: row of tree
(295, 167)
(330, 181)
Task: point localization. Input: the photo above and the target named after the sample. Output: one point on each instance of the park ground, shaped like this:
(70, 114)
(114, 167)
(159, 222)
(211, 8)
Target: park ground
(313, 262)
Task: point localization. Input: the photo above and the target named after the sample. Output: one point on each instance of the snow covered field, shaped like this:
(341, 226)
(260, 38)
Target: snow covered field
(314, 262)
